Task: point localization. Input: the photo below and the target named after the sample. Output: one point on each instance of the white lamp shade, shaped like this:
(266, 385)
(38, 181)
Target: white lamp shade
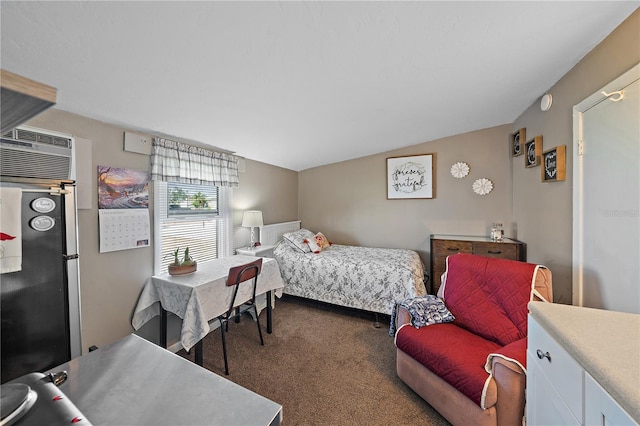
(252, 218)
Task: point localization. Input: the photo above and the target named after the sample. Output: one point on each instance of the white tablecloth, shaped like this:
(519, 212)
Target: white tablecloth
(202, 296)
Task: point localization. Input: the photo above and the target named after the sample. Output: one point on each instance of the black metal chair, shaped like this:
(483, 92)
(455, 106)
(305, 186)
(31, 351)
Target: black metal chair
(237, 275)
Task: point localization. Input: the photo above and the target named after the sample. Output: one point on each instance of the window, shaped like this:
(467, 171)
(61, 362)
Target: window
(187, 199)
(193, 216)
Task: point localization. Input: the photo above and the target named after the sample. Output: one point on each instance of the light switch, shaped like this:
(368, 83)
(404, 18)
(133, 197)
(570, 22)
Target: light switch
(135, 142)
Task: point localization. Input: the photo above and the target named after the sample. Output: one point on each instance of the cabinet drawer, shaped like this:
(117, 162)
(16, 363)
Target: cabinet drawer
(501, 250)
(559, 367)
(447, 247)
(438, 266)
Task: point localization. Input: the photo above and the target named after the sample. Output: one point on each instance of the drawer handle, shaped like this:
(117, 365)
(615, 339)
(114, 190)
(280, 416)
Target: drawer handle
(494, 252)
(542, 355)
(453, 249)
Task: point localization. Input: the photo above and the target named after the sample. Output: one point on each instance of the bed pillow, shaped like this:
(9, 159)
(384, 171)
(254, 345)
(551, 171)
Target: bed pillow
(296, 239)
(321, 241)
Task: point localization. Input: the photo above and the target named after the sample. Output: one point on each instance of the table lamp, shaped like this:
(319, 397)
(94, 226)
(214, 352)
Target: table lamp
(252, 218)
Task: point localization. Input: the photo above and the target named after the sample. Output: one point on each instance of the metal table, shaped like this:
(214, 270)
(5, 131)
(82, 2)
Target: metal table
(135, 382)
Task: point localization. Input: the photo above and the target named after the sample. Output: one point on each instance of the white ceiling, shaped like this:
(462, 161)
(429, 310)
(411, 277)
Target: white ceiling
(302, 84)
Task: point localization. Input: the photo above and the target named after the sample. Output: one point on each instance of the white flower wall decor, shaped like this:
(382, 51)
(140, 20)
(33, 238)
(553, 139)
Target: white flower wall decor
(482, 186)
(459, 170)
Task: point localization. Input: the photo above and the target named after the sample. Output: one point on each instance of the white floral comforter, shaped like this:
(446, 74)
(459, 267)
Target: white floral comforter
(372, 279)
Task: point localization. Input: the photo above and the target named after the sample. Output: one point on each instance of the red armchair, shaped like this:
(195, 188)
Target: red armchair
(472, 370)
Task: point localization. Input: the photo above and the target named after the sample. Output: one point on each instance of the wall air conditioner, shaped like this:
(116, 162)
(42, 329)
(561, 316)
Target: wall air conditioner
(35, 153)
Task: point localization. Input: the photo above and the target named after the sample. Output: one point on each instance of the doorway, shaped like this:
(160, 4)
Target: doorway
(606, 197)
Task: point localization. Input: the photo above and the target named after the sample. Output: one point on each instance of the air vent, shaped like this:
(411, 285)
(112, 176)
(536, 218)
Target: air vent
(31, 136)
(34, 154)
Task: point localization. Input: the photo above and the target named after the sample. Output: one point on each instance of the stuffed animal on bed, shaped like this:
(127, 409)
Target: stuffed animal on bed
(318, 243)
(321, 241)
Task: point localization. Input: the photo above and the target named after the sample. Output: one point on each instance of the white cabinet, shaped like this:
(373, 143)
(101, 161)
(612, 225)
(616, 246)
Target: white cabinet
(554, 381)
(599, 408)
(560, 391)
(544, 404)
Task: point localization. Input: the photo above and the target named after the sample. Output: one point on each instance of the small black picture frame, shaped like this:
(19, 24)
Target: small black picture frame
(516, 140)
(532, 152)
(554, 164)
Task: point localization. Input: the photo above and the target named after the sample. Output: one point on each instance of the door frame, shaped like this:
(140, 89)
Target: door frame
(619, 83)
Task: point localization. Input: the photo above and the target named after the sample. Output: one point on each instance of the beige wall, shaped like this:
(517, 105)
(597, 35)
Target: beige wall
(270, 189)
(543, 211)
(347, 201)
(110, 283)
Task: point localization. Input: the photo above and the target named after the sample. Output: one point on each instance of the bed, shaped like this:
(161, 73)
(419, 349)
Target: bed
(366, 278)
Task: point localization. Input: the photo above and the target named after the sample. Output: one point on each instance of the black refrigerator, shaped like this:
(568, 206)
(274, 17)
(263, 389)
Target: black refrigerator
(40, 304)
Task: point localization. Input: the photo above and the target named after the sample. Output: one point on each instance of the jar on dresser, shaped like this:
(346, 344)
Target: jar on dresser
(445, 245)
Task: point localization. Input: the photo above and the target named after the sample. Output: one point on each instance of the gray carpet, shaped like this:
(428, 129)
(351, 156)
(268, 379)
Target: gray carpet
(325, 365)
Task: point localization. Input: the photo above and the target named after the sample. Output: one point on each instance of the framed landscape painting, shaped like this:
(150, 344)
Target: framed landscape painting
(410, 177)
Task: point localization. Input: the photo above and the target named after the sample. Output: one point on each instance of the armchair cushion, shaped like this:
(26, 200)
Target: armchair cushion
(453, 353)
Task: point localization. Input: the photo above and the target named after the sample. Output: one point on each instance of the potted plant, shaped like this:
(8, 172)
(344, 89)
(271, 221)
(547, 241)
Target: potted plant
(186, 266)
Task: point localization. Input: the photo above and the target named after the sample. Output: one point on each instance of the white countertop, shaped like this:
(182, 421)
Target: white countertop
(605, 343)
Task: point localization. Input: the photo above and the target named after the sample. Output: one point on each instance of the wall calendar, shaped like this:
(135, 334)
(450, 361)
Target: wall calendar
(123, 229)
(123, 202)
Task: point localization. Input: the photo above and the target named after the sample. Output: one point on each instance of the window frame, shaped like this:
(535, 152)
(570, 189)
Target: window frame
(222, 219)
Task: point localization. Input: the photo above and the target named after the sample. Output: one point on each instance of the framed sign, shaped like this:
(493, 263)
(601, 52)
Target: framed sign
(533, 149)
(410, 177)
(553, 164)
(516, 139)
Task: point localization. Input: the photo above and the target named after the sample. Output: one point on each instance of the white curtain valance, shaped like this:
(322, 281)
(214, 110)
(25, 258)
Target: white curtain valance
(178, 162)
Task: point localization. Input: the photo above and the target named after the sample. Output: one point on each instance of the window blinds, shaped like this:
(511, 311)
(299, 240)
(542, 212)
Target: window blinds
(203, 230)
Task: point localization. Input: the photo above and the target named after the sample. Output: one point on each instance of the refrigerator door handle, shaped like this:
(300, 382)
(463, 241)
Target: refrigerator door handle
(67, 257)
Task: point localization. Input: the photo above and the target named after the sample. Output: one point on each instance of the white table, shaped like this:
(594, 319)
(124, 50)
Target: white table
(201, 297)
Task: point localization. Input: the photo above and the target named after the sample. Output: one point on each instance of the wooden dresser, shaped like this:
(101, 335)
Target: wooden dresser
(445, 245)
